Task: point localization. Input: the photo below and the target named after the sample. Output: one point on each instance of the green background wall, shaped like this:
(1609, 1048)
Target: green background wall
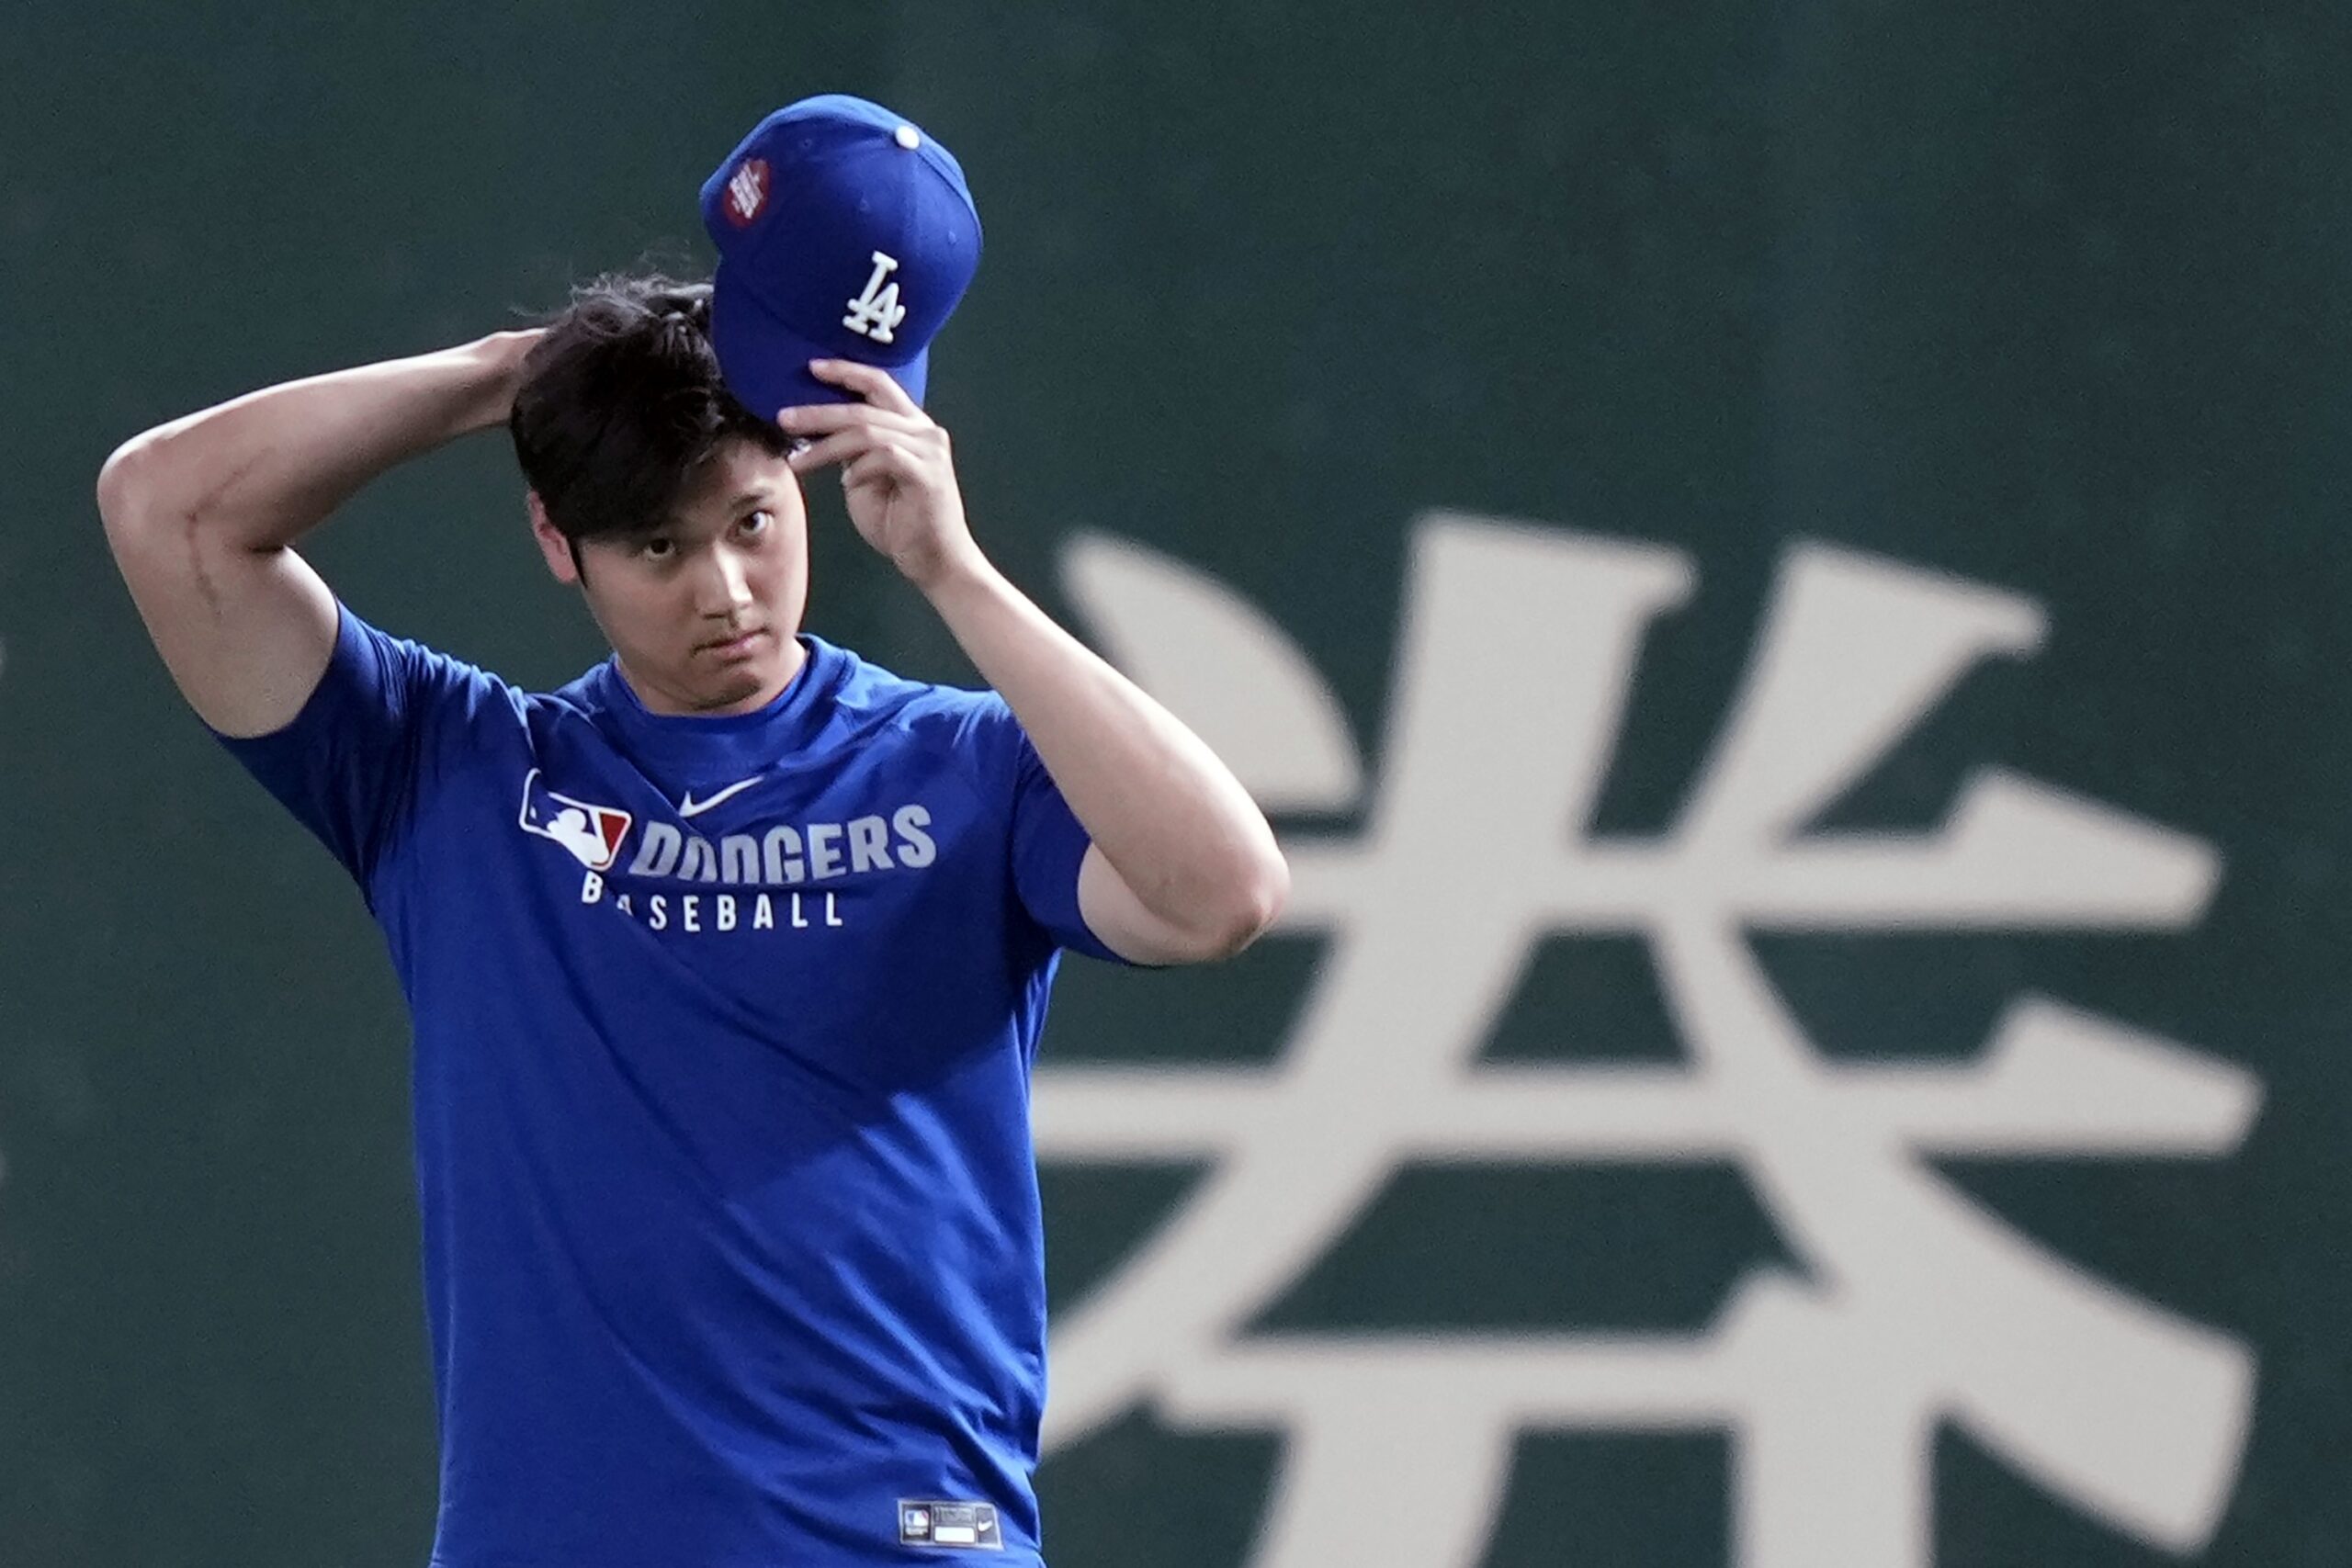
(2048, 298)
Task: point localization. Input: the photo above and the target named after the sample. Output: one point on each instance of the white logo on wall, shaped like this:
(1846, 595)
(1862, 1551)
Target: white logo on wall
(1520, 647)
(876, 312)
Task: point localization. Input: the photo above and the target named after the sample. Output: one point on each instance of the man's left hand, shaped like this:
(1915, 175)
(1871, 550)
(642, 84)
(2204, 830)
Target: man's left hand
(896, 471)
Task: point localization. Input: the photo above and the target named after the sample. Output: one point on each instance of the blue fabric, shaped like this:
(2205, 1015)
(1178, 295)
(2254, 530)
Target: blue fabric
(731, 1232)
(842, 232)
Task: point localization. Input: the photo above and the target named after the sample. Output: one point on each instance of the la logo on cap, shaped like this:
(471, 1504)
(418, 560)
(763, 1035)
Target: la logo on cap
(747, 192)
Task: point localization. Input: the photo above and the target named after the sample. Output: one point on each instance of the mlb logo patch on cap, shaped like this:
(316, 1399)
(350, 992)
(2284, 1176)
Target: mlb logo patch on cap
(843, 232)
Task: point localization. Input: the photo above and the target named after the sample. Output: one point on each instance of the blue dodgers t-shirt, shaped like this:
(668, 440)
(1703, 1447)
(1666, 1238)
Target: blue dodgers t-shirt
(723, 1036)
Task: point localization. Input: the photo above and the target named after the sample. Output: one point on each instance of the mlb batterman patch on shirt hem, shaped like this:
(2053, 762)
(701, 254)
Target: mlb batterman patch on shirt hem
(968, 1527)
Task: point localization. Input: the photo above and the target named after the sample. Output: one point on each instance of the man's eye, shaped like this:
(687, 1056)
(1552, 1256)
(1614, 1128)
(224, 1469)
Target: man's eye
(758, 522)
(656, 549)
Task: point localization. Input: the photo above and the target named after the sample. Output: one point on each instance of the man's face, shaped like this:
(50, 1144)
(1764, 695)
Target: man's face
(704, 611)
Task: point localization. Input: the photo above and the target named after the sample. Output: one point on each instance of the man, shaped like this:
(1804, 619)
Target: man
(726, 961)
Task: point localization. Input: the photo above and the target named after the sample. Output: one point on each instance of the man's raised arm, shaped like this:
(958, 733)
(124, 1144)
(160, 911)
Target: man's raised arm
(201, 514)
(1182, 866)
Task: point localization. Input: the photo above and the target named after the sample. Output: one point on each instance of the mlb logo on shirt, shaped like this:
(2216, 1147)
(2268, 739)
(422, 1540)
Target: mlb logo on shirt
(593, 833)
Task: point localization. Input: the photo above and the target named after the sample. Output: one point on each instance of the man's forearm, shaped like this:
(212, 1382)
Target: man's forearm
(260, 470)
(1171, 820)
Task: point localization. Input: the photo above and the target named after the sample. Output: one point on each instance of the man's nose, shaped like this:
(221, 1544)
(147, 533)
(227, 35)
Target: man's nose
(722, 587)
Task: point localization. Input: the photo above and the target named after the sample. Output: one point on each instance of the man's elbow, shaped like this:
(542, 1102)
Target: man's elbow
(127, 484)
(119, 483)
(1255, 903)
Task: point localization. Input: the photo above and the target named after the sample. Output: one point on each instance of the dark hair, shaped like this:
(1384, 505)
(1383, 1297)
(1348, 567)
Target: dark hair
(621, 401)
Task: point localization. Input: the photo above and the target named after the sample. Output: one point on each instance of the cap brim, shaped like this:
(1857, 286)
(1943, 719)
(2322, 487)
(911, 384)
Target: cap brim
(765, 363)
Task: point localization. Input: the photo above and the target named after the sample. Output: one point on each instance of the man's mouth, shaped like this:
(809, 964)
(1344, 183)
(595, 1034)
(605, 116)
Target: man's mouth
(734, 647)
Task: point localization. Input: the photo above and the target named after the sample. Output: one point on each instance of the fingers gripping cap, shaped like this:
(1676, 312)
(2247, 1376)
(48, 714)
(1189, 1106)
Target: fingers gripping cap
(843, 232)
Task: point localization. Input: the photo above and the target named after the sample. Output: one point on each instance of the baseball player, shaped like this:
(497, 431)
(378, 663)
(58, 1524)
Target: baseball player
(726, 961)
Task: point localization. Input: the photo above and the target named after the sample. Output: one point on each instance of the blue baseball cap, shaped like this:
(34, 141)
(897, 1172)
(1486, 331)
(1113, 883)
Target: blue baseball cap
(843, 232)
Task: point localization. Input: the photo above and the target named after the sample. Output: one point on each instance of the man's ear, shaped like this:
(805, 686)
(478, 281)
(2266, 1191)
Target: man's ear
(562, 555)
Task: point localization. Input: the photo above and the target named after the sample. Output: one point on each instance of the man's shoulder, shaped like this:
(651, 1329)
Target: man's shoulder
(874, 690)
(411, 675)
(878, 706)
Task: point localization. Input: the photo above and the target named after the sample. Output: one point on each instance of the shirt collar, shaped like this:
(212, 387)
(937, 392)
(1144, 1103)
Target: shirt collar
(690, 749)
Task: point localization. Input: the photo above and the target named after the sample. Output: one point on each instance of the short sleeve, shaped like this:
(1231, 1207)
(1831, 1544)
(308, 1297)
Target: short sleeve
(346, 765)
(1049, 842)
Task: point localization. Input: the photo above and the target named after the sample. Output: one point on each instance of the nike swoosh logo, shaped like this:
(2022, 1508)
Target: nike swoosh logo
(690, 807)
